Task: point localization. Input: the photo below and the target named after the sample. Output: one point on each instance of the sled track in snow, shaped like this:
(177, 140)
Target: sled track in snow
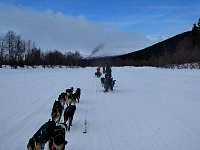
(22, 123)
(16, 128)
(26, 81)
(26, 107)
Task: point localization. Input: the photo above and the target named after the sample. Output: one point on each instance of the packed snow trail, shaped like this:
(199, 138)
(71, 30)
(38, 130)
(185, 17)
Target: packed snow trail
(149, 109)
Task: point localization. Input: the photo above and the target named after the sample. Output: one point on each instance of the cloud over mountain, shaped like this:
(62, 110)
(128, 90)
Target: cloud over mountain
(63, 32)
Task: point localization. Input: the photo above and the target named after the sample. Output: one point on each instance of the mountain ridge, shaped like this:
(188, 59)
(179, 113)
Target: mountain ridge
(180, 48)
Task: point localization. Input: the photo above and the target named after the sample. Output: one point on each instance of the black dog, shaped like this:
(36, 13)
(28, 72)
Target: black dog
(102, 81)
(69, 114)
(114, 82)
(41, 137)
(77, 94)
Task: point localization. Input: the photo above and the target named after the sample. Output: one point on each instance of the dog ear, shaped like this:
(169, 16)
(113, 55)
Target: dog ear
(66, 142)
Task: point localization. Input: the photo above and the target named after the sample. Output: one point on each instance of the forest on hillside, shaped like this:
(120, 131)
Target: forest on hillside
(180, 51)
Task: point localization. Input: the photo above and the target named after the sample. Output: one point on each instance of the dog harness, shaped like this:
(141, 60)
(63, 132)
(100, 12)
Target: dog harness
(41, 135)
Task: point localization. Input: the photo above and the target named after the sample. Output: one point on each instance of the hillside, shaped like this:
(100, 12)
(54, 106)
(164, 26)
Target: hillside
(175, 50)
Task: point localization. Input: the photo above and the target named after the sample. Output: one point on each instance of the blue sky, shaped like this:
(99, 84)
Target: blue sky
(154, 19)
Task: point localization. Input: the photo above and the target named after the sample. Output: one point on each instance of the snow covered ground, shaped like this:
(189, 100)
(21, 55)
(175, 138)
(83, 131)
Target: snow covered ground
(149, 109)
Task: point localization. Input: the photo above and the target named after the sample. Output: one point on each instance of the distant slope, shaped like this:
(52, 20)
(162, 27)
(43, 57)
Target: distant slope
(175, 50)
(170, 45)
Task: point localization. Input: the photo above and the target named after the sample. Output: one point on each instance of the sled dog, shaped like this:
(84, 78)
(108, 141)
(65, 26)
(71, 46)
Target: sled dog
(69, 114)
(42, 136)
(77, 94)
(57, 110)
(102, 81)
(57, 141)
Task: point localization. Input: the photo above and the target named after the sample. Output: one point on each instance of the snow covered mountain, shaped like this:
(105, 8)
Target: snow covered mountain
(118, 46)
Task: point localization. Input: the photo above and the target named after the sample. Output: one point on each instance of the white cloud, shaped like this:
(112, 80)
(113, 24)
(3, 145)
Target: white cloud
(64, 32)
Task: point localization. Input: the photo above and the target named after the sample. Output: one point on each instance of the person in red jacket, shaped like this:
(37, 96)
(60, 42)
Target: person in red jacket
(98, 73)
(98, 69)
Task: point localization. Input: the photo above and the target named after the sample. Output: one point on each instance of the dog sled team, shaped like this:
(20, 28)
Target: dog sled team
(53, 132)
(107, 81)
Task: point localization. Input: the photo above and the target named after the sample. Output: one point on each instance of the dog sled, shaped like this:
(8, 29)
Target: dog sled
(98, 74)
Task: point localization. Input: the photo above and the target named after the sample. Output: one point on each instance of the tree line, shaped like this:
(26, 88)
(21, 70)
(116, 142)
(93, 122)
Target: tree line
(15, 51)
